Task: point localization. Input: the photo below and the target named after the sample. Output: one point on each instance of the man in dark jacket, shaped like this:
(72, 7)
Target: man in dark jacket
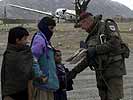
(103, 55)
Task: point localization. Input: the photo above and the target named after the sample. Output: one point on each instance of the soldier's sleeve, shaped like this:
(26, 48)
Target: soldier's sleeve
(81, 65)
(111, 45)
(78, 68)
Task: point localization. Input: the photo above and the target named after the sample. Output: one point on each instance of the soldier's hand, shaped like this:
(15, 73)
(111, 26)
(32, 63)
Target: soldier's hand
(91, 51)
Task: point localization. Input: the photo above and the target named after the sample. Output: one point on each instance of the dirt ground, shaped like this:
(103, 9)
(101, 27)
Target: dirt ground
(67, 39)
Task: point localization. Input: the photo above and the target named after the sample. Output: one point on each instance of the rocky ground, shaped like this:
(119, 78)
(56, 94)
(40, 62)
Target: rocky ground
(67, 39)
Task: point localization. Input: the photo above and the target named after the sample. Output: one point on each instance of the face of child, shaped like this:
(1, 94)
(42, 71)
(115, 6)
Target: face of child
(58, 58)
(22, 41)
(51, 28)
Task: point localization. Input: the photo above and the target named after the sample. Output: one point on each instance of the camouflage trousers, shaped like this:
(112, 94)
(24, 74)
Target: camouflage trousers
(112, 89)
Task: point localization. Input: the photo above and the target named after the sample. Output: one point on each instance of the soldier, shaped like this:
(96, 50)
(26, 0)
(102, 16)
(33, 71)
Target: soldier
(105, 54)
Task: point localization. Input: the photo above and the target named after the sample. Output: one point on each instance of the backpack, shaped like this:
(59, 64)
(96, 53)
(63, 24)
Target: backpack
(112, 29)
(32, 39)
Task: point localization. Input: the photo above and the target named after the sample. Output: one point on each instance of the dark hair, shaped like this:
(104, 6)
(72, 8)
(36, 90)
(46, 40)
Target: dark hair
(56, 50)
(46, 21)
(16, 33)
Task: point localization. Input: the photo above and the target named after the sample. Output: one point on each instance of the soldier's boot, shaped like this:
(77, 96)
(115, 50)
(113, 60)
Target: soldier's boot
(103, 96)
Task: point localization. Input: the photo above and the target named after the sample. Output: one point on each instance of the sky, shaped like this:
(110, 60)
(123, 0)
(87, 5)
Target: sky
(128, 3)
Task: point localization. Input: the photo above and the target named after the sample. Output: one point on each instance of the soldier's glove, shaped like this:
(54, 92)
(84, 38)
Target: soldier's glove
(83, 45)
(91, 52)
(91, 55)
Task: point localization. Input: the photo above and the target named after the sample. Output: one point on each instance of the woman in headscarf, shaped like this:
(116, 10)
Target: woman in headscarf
(45, 78)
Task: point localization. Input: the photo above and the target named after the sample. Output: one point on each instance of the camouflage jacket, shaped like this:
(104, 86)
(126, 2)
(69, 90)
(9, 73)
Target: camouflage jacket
(112, 61)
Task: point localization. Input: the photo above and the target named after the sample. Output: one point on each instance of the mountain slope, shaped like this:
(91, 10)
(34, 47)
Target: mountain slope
(105, 7)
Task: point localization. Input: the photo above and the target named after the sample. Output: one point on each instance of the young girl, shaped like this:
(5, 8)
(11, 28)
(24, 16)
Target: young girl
(16, 69)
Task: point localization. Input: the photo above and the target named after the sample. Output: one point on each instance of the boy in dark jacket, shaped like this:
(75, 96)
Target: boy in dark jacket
(16, 69)
(60, 94)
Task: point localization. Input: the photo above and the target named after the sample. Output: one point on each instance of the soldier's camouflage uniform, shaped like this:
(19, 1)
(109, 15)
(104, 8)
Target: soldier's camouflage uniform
(110, 76)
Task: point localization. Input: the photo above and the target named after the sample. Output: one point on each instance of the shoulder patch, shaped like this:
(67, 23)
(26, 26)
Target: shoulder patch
(112, 28)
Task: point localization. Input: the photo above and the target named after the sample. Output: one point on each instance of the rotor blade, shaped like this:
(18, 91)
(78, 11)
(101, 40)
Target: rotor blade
(30, 9)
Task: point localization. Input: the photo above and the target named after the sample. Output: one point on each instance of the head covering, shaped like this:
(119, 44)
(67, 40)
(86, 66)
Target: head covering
(84, 15)
(43, 26)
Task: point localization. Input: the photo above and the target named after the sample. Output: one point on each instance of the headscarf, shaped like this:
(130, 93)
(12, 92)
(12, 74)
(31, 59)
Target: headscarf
(43, 26)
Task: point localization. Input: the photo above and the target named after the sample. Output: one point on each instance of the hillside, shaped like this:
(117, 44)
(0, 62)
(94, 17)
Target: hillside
(105, 7)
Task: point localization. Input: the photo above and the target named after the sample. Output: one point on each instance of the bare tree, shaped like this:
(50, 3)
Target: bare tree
(80, 6)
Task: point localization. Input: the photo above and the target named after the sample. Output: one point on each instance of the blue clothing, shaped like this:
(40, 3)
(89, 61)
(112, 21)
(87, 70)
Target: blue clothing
(44, 62)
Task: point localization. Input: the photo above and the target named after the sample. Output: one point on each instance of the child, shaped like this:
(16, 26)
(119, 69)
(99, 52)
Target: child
(16, 69)
(60, 94)
(64, 84)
